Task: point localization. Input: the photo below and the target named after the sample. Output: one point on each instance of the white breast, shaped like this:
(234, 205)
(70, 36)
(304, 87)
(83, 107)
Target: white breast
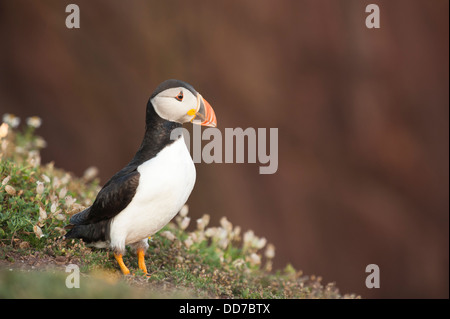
(165, 183)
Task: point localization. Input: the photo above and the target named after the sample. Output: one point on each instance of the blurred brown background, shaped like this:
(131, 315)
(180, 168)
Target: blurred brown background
(362, 115)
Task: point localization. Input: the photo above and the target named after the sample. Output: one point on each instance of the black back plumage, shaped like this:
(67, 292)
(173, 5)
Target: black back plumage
(92, 224)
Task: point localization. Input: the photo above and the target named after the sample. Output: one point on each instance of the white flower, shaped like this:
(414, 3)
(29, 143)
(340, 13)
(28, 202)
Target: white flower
(53, 198)
(236, 232)
(11, 120)
(184, 210)
(252, 241)
(4, 130)
(40, 188)
(188, 242)
(195, 238)
(54, 207)
(270, 251)
(90, 173)
(185, 223)
(34, 121)
(38, 231)
(40, 142)
(45, 178)
(223, 243)
(10, 190)
(61, 217)
(62, 192)
(211, 232)
(203, 222)
(260, 243)
(226, 224)
(249, 236)
(42, 214)
(218, 234)
(168, 234)
(56, 182)
(6, 180)
(254, 259)
(69, 200)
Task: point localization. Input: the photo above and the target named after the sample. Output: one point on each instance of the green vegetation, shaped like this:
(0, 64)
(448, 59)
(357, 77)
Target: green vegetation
(37, 200)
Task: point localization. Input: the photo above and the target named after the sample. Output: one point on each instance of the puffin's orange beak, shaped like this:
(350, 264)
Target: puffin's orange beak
(204, 114)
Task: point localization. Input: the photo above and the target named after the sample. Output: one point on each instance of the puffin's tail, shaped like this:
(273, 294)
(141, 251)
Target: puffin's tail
(90, 232)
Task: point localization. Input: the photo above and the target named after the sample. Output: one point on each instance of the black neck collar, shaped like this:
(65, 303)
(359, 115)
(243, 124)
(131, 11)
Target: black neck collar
(157, 136)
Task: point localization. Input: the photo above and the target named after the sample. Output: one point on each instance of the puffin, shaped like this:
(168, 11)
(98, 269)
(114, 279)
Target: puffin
(150, 190)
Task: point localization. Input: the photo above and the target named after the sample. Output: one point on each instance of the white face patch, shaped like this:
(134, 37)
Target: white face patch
(175, 104)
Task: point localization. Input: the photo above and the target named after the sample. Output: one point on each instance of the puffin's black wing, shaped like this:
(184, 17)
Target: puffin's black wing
(111, 200)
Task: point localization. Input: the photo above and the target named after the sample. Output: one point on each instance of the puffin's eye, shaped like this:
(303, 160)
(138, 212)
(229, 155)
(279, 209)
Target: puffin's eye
(179, 97)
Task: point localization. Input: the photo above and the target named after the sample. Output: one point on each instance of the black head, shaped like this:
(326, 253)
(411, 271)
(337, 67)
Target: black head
(172, 83)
